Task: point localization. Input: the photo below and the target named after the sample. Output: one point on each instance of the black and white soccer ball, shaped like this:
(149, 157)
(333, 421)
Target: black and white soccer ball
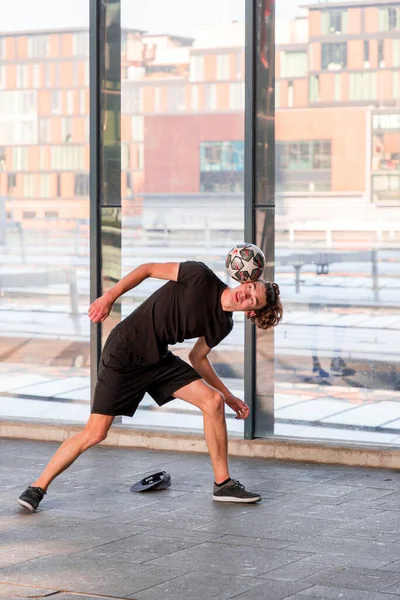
(245, 262)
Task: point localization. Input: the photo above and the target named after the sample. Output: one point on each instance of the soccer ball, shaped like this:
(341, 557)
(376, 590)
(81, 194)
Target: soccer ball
(245, 262)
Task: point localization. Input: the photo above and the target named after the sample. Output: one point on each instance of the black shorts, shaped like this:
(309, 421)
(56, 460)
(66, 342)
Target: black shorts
(124, 378)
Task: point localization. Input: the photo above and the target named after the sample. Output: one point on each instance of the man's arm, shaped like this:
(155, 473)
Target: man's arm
(100, 308)
(198, 356)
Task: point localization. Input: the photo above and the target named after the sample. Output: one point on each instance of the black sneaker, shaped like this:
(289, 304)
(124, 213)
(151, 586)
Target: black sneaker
(31, 498)
(234, 491)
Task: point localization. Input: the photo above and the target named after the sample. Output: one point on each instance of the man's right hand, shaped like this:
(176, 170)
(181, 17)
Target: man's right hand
(100, 308)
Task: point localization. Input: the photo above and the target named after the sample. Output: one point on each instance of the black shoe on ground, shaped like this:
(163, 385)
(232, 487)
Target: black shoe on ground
(31, 498)
(234, 491)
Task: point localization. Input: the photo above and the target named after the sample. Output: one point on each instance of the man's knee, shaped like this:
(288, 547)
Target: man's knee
(214, 403)
(94, 436)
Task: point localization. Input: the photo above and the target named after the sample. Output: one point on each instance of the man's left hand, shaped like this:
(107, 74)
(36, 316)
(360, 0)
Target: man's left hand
(241, 409)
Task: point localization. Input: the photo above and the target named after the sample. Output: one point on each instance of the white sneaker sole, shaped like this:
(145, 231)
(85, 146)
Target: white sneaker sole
(26, 505)
(241, 500)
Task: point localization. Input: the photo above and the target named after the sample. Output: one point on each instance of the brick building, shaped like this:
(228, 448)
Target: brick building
(182, 108)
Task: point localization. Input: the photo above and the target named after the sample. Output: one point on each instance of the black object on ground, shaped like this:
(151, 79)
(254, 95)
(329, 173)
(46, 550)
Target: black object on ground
(155, 482)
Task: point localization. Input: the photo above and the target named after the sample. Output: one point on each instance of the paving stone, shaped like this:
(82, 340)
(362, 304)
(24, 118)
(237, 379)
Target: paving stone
(88, 576)
(339, 593)
(10, 591)
(198, 586)
(294, 571)
(273, 590)
(359, 579)
(214, 557)
(343, 560)
(381, 552)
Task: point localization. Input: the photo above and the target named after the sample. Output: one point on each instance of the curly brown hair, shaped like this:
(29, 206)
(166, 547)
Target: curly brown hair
(271, 314)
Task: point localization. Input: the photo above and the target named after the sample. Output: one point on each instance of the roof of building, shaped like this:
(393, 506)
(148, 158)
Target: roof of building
(347, 4)
(60, 30)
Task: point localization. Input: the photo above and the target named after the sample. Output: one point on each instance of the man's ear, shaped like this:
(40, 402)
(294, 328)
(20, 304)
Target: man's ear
(250, 314)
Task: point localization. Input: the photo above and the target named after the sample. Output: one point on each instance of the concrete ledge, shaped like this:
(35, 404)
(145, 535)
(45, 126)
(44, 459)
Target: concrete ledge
(378, 456)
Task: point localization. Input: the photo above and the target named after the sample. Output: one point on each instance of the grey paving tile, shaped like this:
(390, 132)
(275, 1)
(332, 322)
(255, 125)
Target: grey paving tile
(381, 552)
(341, 513)
(244, 541)
(384, 480)
(294, 571)
(339, 593)
(272, 590)
(346, 560)
(88, 576)
(10, 591)
(198, 586)
(214, 557)
(360, 579)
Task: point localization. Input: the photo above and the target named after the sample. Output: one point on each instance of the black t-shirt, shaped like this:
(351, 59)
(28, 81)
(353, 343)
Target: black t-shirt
(185, 309)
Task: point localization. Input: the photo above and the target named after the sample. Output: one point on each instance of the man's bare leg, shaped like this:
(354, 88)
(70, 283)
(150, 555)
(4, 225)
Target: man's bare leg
(212, 405)
(94, 432)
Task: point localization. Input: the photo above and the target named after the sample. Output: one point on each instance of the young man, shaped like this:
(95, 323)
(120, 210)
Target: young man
(194, 303)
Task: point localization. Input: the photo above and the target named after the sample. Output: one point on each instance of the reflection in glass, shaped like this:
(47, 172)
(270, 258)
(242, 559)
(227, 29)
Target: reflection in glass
(44, 215)
(338, 228)
(111, 261)
(182, 178)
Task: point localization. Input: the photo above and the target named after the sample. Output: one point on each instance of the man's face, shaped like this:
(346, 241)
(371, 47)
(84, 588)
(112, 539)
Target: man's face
(249, 297)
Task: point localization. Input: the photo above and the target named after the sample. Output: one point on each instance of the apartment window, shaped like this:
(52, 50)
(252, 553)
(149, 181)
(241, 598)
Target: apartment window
(157, 99)
(132, 99)
(70, 102)
(37, 83)
(44, 131)
(82, 102)
(47, 75)
(236, 96)
(28, 185)
(196, 68)
(223, 67)
(389, 19)
(338, 87)
(363, 86)
(125, 157)
(67, 158)
(20, 158)
(303, 165)
(334, 21)
(38, 46)
(56, 102)
(290, 98)
(239, 66)
(366, 53)
(22, 76)
(45, 185)
(334, 56)
(27, 132)
(28, 214)
(18, 103)
(86, 74)
(195, 97)
(137, 129)
(140, 157)
(80, 44)
(294, 64)
(75, 74)
(66, 129)
(210, 96)
(381, 53)
(222, 156)
(81, 184)
(51, 214)
(176, 98)
(314, 88)
(11, 181)
(221, 166)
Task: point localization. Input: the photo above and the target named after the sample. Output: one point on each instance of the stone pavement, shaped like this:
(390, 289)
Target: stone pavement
(321, 532)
